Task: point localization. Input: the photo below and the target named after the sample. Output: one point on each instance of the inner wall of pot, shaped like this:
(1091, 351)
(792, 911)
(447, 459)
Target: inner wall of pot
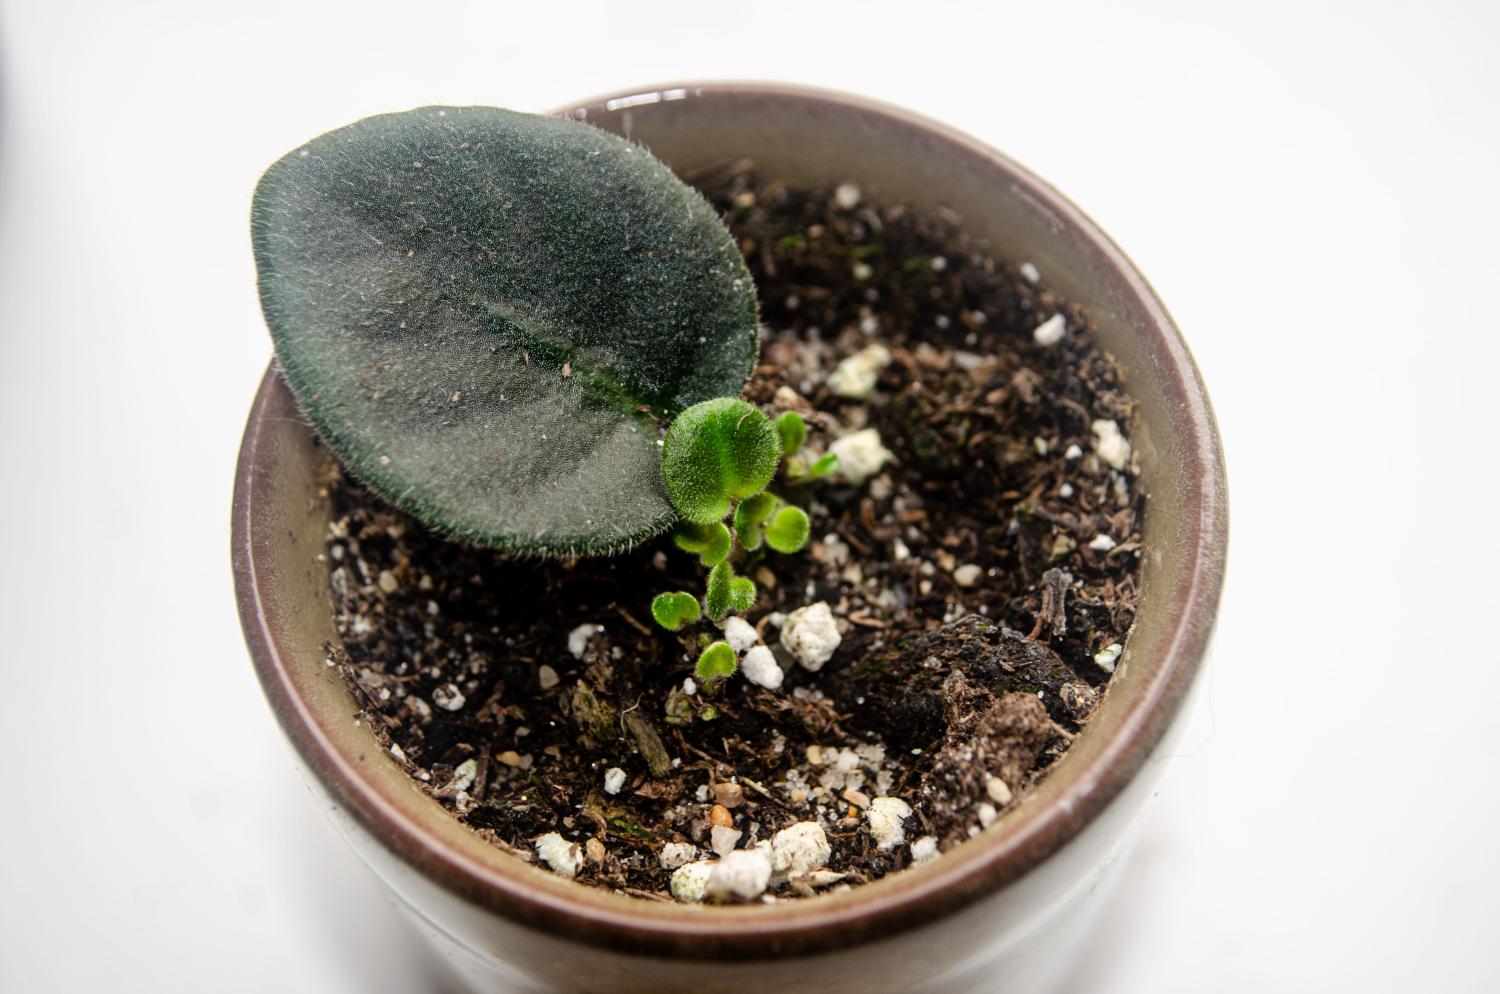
(801, 141)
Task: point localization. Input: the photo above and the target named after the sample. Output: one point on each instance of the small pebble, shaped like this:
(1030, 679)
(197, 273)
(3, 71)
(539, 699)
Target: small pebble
(578, 638)
(856, 376)
(987, 813)
(800, 848)
(731, 795)
(739, 633)
(1110, 444)
(811, 635)
(448, 697)
(861, 455)
(464, 774)
(998, 790)
(924, 849)
(885, 816)
(760, 668)
(562, 856)
(546, 677)
(1050, 331)
(510, 757)
(744, 874)
(858, 798)
(1105, 658)
(967, 575)
(722, 840)
(719, 815)
(690, 881)
(387, 582)
(675, 854)
(594, 849)
(614, 780)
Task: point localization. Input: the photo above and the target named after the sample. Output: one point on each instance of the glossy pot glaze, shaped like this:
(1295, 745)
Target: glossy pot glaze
(1000, 912)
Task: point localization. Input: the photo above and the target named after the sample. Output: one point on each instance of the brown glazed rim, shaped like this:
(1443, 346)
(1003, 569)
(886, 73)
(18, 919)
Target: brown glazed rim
(1021, 841)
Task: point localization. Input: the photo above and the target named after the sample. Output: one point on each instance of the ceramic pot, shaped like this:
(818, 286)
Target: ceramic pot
(1001, 911)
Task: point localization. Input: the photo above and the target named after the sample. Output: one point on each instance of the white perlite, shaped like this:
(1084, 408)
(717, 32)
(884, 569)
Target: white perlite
(578, 638)
(987, 813)
(799, 848)
(759, 667)
(675, 854)
(739, 633)
(967, 575)
(1030, 272)
(1105, 658)
(1102, 543)
(723, 839)
(855, 377)
(448, 697)
(1051, 331)
(1110, 444)
(562, 856)
(885, 817)
(861, 455)
(811, 635)
(690, 880)
(463, 775)
(924, 849)
(743, 874)
(998, 790)
(846, 196)
(614, 780)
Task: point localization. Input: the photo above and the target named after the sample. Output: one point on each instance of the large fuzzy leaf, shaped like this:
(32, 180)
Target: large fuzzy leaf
(486, 313)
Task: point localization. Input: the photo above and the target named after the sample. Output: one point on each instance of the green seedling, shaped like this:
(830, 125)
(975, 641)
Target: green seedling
(727, 593)
(715, 453)
(716, 663)
(710, 543)
(675, 609)
(793, 432)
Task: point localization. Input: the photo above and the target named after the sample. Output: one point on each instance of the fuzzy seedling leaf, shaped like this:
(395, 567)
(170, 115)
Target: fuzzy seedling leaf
(788, 530)
(710, 543)
(716, 451)
(749, 515)
(728, 593)
(675, 609)
(483, 313)
(793, 432)
(716, 663)
(797, 468)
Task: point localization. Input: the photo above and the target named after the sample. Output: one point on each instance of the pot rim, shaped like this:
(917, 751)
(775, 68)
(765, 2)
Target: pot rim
(1017, 844)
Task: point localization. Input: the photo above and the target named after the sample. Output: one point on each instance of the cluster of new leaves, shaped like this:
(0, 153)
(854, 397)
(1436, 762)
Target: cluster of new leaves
(717, 460)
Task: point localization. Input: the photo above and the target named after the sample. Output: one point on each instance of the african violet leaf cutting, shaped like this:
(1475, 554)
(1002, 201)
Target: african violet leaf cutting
(486, 315)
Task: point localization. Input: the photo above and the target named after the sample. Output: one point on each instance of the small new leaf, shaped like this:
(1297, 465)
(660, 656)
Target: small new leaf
(793, 432)
(748, 517)
(825, 465)
(717, 451)
(727, 592)
(788, 530)
(716, 663)
(741, 594)
(710, 543)
(675, 609)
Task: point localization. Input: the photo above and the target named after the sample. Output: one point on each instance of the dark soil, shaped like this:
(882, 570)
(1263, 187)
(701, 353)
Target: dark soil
(937, 687)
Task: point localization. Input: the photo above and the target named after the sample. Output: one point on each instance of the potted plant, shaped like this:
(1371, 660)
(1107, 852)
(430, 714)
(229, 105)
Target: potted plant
(615, 307)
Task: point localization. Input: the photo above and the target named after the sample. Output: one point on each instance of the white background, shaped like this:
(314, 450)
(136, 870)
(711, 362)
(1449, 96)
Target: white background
(1311, 187)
